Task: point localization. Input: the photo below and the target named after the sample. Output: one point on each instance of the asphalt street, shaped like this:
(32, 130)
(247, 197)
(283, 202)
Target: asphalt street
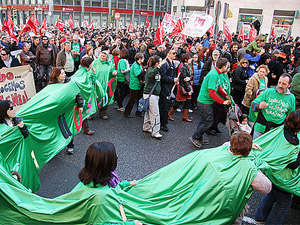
(138, 153)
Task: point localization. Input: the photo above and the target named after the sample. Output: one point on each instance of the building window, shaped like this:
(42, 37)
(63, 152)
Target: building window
(68, 2)
(87, 3)
(137, 6)
(105, 3)
(250, 11)
(77, 2)
(144, 6)
(129, 4)
(56, 2)
(157, 6)
(151, 4)
(96, 3)
(114, 4)
(104, 20)
(122, 4)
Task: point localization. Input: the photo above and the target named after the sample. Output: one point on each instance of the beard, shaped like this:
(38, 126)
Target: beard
(281, 90)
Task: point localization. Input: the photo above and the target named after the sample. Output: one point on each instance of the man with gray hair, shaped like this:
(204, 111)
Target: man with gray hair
(65, 59)
(26, 56)
(133, 50)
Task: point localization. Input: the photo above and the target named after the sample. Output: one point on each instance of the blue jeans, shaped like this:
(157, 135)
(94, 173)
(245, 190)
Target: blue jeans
(45, 71)
(206, 120)
(273, 207)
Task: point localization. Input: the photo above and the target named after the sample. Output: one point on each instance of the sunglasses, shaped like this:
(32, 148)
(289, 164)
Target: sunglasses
(3, 54)
(174, 53)
(11, 107)
(45, 39)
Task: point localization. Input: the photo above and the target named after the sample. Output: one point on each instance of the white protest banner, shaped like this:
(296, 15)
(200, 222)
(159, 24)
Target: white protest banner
(197, 25)
(169, 22)
(17, 85)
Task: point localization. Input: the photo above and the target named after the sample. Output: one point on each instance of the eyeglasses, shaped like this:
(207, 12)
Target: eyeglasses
(11, 107)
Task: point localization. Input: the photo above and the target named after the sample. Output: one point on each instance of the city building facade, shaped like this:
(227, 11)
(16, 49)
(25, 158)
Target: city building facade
(282, 15)
(97, 11)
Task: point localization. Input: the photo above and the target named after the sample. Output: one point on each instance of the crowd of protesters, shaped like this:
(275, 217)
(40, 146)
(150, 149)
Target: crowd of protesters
(204, 73)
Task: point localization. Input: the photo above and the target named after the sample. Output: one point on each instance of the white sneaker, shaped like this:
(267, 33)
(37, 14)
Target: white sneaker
(70, 151)
(121, 109)
(157, 136)
(147, 131)
(178, 110)
(190, 110)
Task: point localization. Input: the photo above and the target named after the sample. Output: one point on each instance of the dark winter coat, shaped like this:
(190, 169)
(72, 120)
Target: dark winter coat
(240, 76)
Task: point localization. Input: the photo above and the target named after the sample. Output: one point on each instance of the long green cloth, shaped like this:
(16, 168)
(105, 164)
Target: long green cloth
(205, 187)
(276, 155)
(50, 117)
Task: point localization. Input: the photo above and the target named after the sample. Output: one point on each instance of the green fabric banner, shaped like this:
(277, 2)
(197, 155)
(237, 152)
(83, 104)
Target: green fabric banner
(209, 187)
(276, 155)
(53, 120)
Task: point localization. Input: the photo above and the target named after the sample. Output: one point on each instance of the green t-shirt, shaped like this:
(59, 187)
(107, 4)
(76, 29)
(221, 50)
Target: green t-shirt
(135, 70)
(278, 107)
(76, 48)
(262, 85)
(212, 81)
(122, 65)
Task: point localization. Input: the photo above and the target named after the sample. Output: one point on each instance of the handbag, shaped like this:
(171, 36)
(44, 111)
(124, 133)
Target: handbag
(144, 102)
(182, 90)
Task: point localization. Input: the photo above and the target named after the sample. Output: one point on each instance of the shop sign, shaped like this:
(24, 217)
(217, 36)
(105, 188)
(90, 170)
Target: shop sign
(283, 20)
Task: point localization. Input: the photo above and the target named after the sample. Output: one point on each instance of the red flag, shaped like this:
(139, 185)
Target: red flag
(33, 23)
(71, 22)
(159, 36)
(5, 26)
(147, 22)
(178, 28)
(26, 28)
(130, 27)
(8, 25)
(10, 22)
(226, 31)
(241, 34)
(211, 30)
(162, 30)
(44, 26)
(59, 25)
(252, 34)
(273, 33)
(91, 25)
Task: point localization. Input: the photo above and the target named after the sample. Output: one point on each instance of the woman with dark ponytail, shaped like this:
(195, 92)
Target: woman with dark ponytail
(152, 78)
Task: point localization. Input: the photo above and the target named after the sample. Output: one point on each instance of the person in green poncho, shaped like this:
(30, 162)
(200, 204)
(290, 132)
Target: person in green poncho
(137, 75)
(276, 204)
(273, 105)
(123, 72)
(99, 171)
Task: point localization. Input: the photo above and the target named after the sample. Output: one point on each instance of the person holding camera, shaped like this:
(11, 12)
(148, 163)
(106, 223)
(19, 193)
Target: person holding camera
(8, 117)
